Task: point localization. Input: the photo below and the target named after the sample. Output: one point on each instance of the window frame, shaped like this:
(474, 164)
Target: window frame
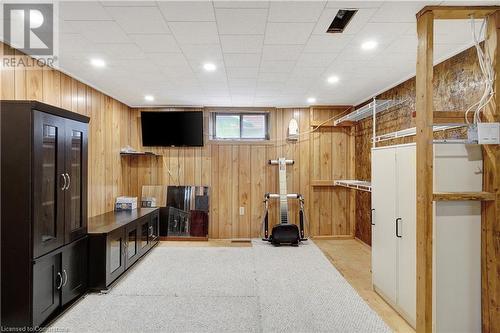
(213, 121)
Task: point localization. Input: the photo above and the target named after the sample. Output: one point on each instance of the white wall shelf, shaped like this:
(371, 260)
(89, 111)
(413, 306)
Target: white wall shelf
(410, 132)
(355, 184)
(374, 107)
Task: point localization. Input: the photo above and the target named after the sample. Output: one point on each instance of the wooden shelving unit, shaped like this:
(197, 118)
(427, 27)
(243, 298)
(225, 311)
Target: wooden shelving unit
(463, 196)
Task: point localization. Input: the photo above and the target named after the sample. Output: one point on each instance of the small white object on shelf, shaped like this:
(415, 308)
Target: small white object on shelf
(355, 184)
(125, 203)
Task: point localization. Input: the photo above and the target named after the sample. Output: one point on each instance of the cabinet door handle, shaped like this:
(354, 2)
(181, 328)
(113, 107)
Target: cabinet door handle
(397, 227)
(65, 275)
(69, 181)
(65, 182)
(371, 216)
(60, 280)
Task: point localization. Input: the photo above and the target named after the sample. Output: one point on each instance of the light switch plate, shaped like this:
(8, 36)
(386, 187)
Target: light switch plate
(242, 210)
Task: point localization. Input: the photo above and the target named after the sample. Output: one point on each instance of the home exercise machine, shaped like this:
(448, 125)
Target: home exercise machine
(284, 232)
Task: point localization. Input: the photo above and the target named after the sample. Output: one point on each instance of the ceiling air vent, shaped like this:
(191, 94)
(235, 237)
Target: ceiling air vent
(341, 20)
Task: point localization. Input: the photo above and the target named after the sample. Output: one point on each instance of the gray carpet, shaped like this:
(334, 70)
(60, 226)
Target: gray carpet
(216, 289)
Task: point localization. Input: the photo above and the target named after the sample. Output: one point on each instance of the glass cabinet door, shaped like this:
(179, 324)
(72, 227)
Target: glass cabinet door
(49, 182)
(76, 168)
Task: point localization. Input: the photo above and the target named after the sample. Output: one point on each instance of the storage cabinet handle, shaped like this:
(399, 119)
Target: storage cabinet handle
(65, 182)
(397, 227)
(60, 280)
(65, 275)
(69, 181)
(371, 217)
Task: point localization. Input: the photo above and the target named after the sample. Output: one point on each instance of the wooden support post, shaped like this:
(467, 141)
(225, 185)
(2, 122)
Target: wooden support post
(490, 231)
(424, 120)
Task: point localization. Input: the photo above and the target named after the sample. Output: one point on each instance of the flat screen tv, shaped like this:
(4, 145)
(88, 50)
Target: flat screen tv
(177, 129)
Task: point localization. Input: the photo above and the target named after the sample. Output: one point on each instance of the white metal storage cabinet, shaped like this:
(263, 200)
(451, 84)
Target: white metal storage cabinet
(393, 230)
(457, 234)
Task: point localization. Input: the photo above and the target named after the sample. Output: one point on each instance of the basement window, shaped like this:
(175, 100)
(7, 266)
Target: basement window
(240, 126)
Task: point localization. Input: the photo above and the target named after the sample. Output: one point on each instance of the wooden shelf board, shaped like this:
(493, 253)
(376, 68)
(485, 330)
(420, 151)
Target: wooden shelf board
(448, 117)
(140, 154)
(463, 196)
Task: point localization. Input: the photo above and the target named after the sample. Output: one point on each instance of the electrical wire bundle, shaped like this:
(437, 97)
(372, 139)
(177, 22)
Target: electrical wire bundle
(487, 71)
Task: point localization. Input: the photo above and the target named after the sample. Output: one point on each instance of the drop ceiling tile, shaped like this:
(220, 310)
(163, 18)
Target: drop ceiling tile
(167, 59)
(241, 4)
(277, 66)
(156, 43)
(316, 59)
(204, 53)
(354, 4)
(195, 32)
(306, 72)
(197, 66)
(242, 90)
(139, 19)
(273, 77)
(295, 11)
(129, 3)
(71, 44)
(100, 31)
(241, 21)
(241, 43)
(82, 10)
(288, 33)
(242, 59)
(399, 11)
(383, 33)
(119, 50)
(403, 44)
(242, 82)
(242, 72)
(281, 52)
(187, 11)
(327, 43)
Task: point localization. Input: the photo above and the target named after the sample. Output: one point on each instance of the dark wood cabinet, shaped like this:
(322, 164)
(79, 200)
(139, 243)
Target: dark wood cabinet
(76, 175)
(117, 240)
(47, 283)
(49, 182)
(74, 270)
(44, 211)
(115, 255)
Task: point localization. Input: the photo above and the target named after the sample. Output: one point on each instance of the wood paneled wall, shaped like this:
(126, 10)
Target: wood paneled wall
(239, 175)
(457, 85)
(109, 127)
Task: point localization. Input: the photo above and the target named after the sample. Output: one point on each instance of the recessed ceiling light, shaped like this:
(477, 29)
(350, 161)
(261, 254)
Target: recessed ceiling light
(369, 45)
(311, 100)
(333, 79)
(149, 98)
(209, 67)
(96, 62)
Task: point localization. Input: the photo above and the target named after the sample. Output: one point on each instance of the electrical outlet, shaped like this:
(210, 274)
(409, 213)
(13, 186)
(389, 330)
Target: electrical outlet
(488, 133)
(242, 210)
